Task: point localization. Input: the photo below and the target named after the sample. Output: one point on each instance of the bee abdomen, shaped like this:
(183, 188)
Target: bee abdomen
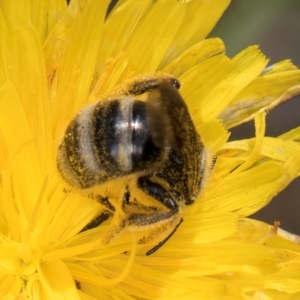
(76, 158)
(106, 140)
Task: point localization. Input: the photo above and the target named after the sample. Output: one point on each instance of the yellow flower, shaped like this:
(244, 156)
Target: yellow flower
(55, 59)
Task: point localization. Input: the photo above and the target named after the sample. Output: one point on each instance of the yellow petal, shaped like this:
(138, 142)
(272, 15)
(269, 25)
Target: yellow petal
(43, 15)
(219, 81)
(22, 162)
(10, 286)
(264, 93)
(75, 71)
(200, 18)
(25, 55)
(194, 55)
(284, 65)
(293, 135)
(253, 189)
(57, 282)
(213, 134)
(148, 42)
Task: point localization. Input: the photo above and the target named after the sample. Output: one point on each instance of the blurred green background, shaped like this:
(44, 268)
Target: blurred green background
(274, 25)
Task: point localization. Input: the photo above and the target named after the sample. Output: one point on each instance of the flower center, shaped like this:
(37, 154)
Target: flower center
(18, 259)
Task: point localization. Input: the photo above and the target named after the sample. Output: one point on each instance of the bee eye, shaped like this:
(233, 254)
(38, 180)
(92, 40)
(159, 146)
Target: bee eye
(147, 138)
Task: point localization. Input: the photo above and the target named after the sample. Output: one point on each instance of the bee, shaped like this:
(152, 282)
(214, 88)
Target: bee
(143, 136)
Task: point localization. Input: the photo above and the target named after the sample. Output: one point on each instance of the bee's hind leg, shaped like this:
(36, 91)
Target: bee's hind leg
(103, 216)
(169, 228)
(164, 222)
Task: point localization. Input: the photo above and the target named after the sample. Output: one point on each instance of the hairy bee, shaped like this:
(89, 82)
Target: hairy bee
(143, 134)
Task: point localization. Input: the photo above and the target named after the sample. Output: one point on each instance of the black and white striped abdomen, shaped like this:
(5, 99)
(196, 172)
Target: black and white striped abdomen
(106, 140)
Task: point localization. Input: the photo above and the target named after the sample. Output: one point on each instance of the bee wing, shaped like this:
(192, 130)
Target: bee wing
(169, 120)
(171, 124)
(159, 121)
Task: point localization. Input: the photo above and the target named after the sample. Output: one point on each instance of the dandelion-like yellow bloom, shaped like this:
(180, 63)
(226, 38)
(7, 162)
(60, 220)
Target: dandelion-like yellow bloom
(54, 60)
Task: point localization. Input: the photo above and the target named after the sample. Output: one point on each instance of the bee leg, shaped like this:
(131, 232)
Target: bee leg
(160, 194)
(147, 216)
(213, 161)
(103, 216)
(161, 243)
(164, 220)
